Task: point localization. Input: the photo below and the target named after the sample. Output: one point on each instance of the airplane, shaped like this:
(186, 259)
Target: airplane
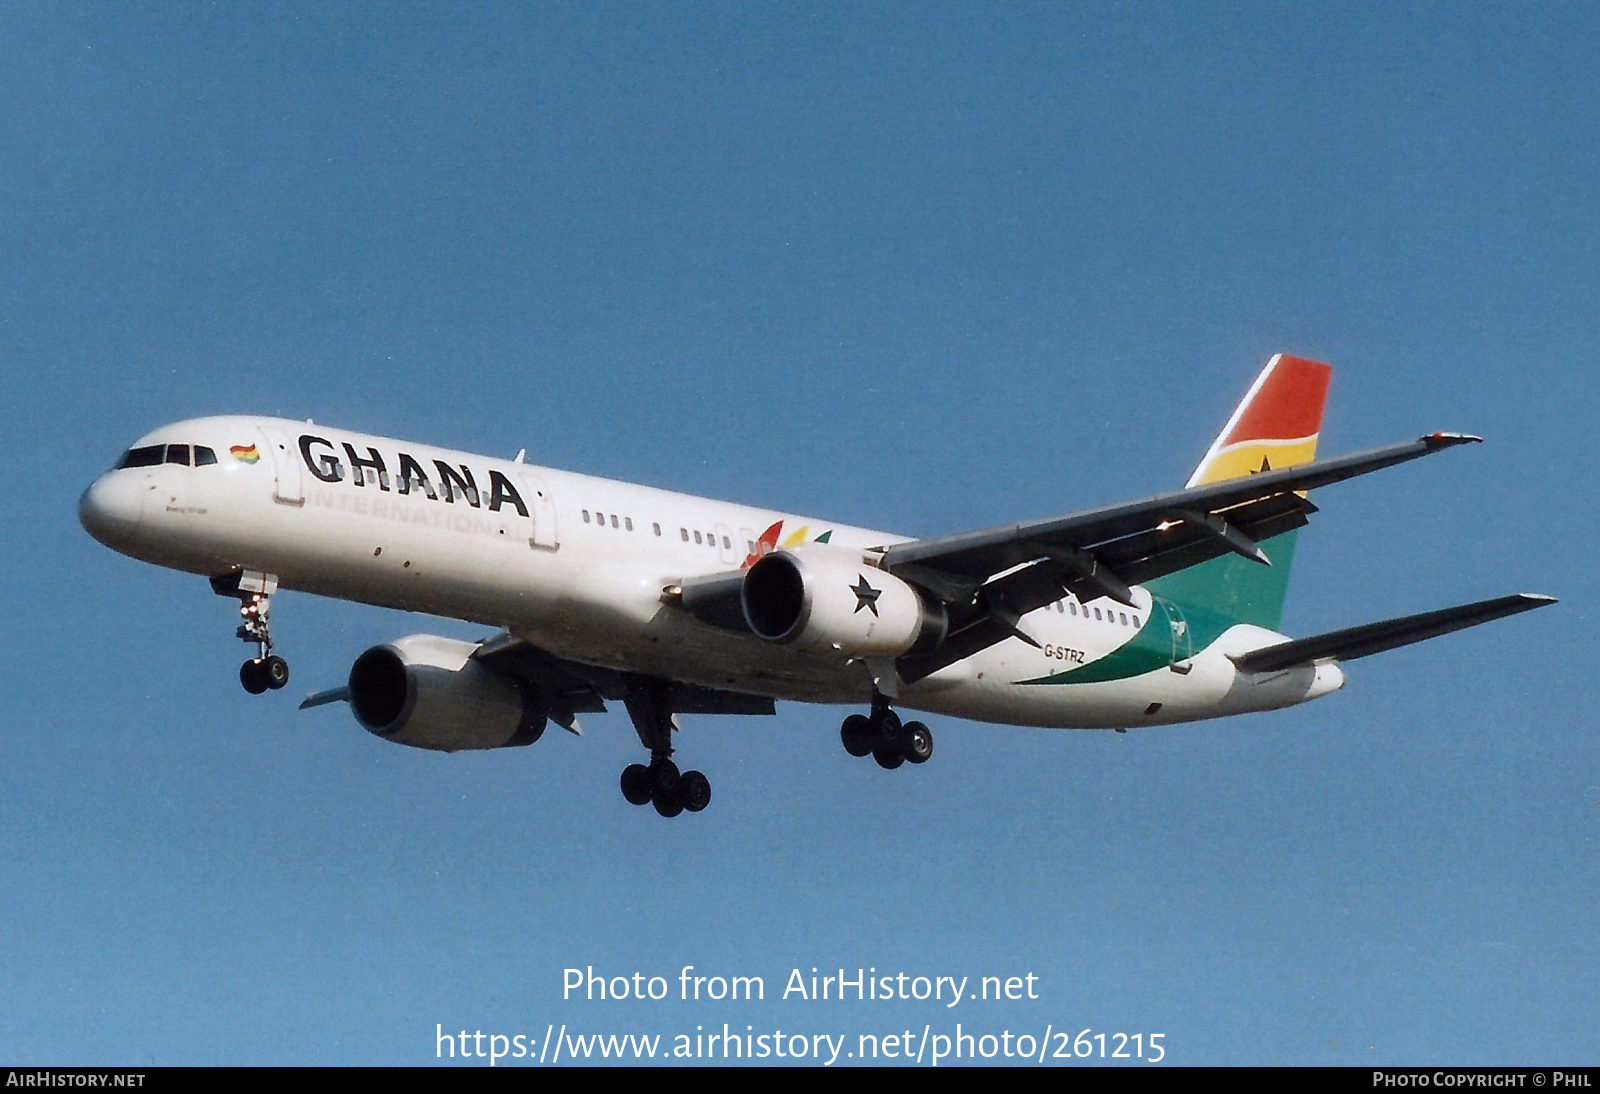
(1143, 613)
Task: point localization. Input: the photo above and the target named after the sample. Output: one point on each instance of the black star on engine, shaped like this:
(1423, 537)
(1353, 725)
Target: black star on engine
(866, 595)
(1265, 466)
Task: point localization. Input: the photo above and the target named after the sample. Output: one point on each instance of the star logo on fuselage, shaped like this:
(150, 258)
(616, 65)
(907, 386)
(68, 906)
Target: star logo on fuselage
(1265, 466)
(866, 595)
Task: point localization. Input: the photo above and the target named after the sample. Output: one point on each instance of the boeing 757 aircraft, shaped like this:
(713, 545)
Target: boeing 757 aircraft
(1144, 613)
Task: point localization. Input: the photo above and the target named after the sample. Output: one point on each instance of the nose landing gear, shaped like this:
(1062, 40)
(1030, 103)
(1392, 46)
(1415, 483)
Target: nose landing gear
(266, 671)
(885, 738)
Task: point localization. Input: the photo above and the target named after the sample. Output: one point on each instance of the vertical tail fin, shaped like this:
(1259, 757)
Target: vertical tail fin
(1276, 426)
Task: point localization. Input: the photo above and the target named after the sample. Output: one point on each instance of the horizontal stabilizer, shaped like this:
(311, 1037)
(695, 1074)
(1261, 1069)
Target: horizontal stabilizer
(1346, 645)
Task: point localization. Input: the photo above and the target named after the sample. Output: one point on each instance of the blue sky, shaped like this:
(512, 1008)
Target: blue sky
(917, 267)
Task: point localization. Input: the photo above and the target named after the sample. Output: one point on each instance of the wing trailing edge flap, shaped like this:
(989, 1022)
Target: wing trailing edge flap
(985, 614)
(575, 688)
(1370, 638)
(1104, 552)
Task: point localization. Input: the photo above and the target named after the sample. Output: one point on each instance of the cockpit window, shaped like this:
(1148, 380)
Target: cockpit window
(149, 456)
(156, 454)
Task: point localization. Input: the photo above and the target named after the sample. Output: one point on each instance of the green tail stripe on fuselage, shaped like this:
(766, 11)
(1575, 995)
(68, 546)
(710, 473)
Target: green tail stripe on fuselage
(1233, 587)
(1205, 600)
(1154, 647)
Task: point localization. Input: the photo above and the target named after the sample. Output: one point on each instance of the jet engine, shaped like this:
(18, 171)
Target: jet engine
(821, 596)
(427, 692)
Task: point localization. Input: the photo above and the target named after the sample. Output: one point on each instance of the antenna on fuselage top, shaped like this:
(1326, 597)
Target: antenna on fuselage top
(521, 452)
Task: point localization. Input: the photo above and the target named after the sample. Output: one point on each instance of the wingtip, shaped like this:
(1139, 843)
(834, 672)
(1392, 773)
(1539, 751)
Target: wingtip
(1440, 439)
(1539, 599)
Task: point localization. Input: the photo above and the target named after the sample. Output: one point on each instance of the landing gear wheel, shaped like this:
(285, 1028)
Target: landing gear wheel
(664, 779)
(891, 734)
(650, 702)
(694, 791)
(856, 733)
(275, 670)
(636, 784)
(918, 747)
(888, 760)
(253, 675)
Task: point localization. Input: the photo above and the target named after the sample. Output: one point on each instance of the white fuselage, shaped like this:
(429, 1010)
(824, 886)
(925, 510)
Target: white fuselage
(577, 565)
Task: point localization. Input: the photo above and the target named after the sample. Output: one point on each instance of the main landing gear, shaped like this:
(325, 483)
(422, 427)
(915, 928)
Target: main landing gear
(660, 784)
(265, 671)
(889, 740)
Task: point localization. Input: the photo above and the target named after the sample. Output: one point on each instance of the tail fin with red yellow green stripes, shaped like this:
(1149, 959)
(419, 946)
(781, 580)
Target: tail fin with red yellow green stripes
(1275, 427)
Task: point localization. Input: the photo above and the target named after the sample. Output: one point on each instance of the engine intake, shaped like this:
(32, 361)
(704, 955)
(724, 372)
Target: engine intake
(828, 597)
(426, 691)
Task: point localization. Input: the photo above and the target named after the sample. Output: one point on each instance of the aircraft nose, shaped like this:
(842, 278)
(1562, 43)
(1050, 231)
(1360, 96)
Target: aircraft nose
(109, 509)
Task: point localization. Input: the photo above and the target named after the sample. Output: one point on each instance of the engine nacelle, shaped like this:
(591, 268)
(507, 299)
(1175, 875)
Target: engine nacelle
(824, 596)
(427, 692)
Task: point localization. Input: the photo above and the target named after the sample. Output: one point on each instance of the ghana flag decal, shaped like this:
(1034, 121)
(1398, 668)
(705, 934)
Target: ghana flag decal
(245, 453)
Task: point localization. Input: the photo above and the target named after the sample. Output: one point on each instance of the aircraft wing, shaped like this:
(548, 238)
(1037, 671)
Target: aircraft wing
(1370, 638)
(573, 688)
(992, 577)
(1138, 533)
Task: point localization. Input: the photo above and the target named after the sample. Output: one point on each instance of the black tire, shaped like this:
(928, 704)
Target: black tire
(856, 733)
(918, 743)
(694, 791)
(667, 805)
(275, 670)
(253, 676)
(636, 784)
(664, 779)
(888, 760)
(891, 734)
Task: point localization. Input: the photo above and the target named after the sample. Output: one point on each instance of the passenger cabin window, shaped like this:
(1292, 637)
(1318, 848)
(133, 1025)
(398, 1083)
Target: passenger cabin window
(613, 520)
(685, 533)
(628, 523)
(1135, 621)
(586, 516)
(697, 538)
(657, 526)
(203, 456)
